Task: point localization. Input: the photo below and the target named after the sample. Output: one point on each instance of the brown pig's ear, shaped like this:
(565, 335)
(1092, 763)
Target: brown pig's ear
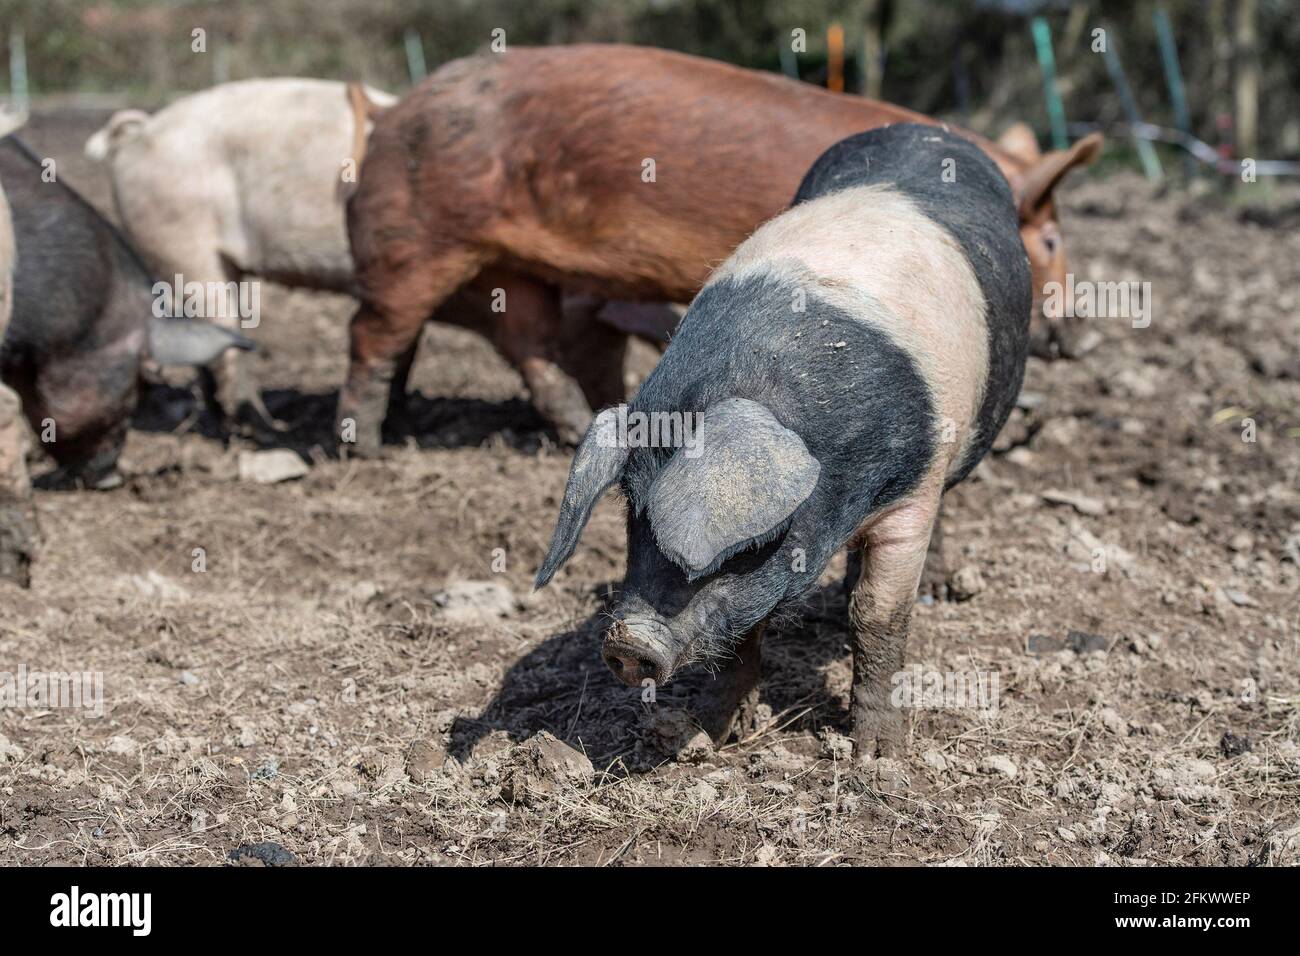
(1019, 141)
(597, 464)
(1034, 186)
(736, 488)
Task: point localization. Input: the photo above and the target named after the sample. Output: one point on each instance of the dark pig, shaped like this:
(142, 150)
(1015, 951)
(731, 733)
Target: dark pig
(851, 361)
(18, 536)
(83, 318)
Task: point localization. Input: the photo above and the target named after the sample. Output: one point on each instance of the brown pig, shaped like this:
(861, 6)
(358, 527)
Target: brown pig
(616, 171)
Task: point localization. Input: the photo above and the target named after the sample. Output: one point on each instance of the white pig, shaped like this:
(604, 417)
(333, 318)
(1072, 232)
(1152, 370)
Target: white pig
(247, 179)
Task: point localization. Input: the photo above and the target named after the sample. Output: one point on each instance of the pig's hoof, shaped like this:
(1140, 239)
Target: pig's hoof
(16, 567)
(356, 443)
(18, 540)
(877, 736)
(884, 775)
(571, 434)
(397, 428)
(252, 420)
(106, 481)
(717, 722)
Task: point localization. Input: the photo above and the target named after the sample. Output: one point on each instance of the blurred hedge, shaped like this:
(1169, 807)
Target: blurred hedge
(972, 60)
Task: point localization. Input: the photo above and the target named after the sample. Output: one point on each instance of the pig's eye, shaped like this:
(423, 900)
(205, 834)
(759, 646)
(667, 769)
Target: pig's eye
(1051, 241)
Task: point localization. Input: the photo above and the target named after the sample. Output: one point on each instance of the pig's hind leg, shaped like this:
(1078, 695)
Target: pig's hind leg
(530, 333)
(397, 300)
(894, 550)
(191, 248)
(938, 569)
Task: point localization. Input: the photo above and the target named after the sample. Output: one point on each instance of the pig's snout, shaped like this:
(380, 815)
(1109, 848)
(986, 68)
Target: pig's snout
(637, 651)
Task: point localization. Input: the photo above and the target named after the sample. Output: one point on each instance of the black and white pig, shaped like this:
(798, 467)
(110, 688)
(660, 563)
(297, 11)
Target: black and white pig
(852, 360)
(83, 319)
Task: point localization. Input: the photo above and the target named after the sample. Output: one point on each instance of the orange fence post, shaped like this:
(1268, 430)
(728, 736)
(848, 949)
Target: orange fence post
(835, 58)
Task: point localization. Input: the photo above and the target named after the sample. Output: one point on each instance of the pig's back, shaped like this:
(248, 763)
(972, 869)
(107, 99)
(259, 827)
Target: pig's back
(71, 267)
(938, 266)
(958, 188)
(260, 161)
(547, 150)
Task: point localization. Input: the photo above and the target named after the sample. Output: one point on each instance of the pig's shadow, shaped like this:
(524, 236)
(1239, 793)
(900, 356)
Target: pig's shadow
(562, 686)
(307, 420)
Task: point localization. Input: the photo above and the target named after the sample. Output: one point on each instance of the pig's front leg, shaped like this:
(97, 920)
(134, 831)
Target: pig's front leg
(880, 607)
(730, 701)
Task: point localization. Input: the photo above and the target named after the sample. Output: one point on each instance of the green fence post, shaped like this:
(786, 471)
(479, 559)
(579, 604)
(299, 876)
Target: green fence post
(1047, 63)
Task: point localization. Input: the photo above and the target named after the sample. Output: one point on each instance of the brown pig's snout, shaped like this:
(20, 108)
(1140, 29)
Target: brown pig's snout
(634, 656)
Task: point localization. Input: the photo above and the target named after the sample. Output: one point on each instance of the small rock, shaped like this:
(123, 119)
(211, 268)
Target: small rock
(704, 792)
(1239, 598)
(767, 856)
(1093, 554)
(475, 601)
(10, 751)
(1040, 645)
(364, 591)
(121, 745)
(1093, 507)
(1242, 542)
(1022, 458)
(271, 466)
(835, 746)
(935, 760)
(154, 585)
(424, 758)
(966, 582)
(1230, 745)
(887, 775)
(1284, 846)
(188, 678)
(997, 763)
(265, 854)
(1112, 721)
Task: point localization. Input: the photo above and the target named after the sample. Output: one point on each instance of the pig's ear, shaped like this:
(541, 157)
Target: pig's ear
(1034, 186)
(1019, 140)
(597, 464)
(737, 487)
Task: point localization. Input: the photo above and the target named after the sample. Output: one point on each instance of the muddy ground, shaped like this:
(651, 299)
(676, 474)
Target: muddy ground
(309, 696)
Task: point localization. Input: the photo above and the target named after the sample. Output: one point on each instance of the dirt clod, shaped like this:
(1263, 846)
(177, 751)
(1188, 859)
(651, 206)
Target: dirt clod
(542, 765)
